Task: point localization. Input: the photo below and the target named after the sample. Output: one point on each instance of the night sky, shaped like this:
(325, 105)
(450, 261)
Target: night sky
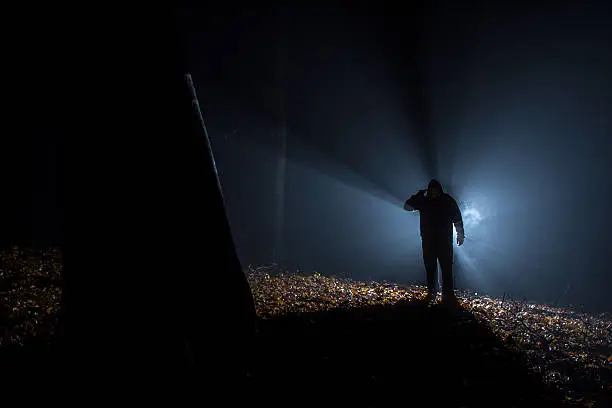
(509, 105)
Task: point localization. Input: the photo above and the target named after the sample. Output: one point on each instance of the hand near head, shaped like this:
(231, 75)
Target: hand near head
(460, 239)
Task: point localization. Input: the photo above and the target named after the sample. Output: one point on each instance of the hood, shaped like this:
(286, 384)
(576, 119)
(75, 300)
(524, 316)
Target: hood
(435, 183)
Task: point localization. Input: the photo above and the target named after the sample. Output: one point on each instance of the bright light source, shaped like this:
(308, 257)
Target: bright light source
(471, 217)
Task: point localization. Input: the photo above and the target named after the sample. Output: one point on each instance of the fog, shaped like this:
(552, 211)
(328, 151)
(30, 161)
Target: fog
(509, 108)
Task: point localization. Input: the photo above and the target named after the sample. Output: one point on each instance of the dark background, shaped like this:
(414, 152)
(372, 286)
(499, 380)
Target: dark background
(508, 105)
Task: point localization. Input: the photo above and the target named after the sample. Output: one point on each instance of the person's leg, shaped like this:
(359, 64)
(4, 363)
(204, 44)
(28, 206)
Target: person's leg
(445, 254)
(430, 258)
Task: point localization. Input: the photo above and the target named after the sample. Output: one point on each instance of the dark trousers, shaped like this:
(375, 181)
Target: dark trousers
(434, 251)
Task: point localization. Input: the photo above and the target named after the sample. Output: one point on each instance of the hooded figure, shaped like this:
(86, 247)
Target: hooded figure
(438, 213)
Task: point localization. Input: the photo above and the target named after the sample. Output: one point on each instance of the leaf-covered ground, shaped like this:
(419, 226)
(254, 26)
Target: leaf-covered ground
(30, 292)
(488, 344)
(339, 341)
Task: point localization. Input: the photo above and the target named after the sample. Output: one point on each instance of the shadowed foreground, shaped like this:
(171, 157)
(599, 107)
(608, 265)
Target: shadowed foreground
(568, 351)
(403, 354)
(325, 340)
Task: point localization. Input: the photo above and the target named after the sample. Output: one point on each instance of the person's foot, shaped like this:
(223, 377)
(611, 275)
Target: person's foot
(450, 301)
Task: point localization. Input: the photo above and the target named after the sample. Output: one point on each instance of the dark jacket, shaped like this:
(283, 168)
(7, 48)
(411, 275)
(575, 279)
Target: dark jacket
(437, 215)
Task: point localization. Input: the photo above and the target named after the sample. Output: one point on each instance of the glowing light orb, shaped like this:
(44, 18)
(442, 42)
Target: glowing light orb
(471, 217)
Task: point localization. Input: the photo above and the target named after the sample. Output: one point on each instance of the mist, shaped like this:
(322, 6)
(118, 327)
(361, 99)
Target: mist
(508, 108)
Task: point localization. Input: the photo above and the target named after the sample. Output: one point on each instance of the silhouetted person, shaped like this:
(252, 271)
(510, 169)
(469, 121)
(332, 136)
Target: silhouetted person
(438, 212)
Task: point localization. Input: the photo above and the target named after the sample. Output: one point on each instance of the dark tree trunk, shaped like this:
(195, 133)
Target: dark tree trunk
(155, 297)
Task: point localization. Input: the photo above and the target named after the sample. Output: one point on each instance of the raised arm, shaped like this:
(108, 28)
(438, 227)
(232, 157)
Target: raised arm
(415, 202)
